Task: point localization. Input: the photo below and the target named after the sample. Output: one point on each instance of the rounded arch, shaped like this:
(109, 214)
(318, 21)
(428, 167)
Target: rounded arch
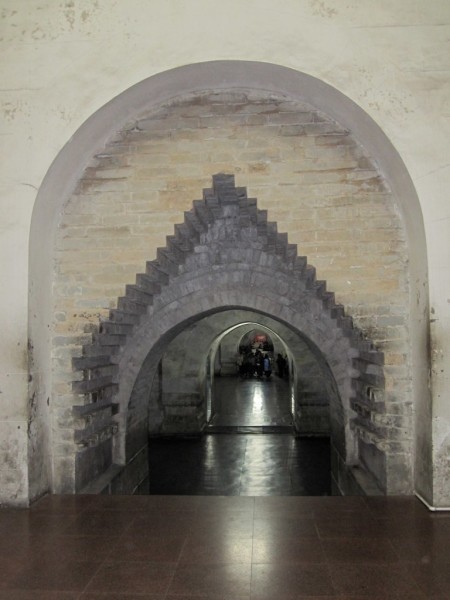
(313, 392)
(256, 336)
(206, 333)
(92, 135)
(184, 369)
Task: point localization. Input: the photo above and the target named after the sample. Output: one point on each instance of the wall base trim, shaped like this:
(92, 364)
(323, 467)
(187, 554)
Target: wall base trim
(431, 507)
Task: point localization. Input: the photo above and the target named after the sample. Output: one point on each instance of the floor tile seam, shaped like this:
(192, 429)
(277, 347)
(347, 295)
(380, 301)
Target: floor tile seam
(362, 535)
(99, 533)
(70, 522)
(253, 529)
(348, 595)
(114, 545)
(422, 587)
(54, 589)
(134, 562)
(250, 591)
(322, 548)
(324, 539)
(75, 593)
(125, 531)
(365, 563)
(393, 548)
(244, 456)
(178, 562)
(330, 577)
(90, 580)
(347, 519)
(397, 567)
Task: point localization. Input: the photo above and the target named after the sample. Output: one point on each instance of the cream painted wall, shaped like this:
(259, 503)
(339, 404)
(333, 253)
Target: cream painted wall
(61, 61)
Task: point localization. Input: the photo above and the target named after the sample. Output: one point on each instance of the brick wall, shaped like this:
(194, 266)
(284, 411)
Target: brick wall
(315, 181)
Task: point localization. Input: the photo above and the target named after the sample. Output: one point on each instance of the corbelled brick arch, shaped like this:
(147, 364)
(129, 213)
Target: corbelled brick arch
(226, 254)
(52, 342)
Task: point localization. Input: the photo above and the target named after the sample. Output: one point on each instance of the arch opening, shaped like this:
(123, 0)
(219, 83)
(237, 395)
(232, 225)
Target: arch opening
(170, 402)
(291, 358)
(220, 450)
(62, 178)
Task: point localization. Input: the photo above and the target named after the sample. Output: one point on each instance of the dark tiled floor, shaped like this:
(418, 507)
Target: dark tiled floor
(251, 402)
(237, 462)
(224, 548)
(240, 464)
(243, 546)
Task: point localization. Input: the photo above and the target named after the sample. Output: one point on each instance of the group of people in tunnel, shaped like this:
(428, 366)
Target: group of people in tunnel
(256, 362)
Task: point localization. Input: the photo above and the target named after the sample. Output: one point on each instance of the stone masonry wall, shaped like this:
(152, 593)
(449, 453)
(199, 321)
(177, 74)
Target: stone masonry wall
(310, 174)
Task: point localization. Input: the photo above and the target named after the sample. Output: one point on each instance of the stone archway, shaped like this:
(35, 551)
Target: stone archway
(313, 391)
(225, 255)
(52, 401)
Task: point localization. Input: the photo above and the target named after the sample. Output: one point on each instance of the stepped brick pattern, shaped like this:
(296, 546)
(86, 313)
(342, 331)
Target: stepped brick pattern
(326, 196)
(212, 222)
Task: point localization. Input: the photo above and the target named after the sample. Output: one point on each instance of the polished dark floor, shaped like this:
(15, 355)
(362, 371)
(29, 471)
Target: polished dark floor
(224, 548)
(240, 464)
(252, 403)
(250, 449)
(227, 547)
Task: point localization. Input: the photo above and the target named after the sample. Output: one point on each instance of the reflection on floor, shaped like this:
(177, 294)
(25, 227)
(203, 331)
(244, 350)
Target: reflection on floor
(192, 547)
(245, 463)
(240, 465)
(232, 548)
(251, 402)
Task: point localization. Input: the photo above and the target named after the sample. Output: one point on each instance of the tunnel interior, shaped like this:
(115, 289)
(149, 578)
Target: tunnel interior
(266, 432)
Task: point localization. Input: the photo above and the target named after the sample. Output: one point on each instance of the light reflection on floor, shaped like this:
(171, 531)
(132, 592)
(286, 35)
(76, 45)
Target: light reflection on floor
(243, 464)
(251, 402)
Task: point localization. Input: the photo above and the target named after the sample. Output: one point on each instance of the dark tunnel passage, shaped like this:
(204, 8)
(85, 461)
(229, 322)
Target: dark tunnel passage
(249, 448)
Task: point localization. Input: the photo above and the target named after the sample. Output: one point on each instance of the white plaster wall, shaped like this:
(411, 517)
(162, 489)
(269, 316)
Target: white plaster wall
(61, 61)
